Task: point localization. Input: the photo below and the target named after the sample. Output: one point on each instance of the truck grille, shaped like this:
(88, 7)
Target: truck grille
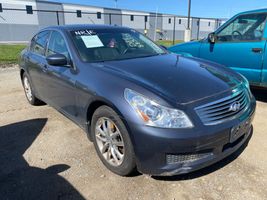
(224, 109)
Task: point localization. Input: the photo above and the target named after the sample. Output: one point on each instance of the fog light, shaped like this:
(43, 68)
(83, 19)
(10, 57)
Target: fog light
(185, 158)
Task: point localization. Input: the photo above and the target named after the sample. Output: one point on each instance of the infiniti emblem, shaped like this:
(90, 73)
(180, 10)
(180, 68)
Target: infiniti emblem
(235, 106)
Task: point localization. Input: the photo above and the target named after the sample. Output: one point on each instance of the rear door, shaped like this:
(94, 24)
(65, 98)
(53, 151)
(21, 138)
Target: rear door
(36, 61)
(240, 45)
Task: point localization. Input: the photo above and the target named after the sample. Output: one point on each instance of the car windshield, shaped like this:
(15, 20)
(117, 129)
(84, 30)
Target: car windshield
(113, 44)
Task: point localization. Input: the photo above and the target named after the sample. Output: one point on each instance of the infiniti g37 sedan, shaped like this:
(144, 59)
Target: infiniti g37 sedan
(144, 108)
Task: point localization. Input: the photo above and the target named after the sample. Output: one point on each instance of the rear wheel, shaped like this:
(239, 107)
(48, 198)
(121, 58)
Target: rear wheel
(29, 92)
(112, 141)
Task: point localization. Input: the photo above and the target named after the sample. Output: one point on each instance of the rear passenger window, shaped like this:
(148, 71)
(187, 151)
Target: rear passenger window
(39, 42)
(57, 44)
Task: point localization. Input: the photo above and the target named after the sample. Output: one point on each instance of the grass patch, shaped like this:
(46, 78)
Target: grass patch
(168, 43)
(9, 53)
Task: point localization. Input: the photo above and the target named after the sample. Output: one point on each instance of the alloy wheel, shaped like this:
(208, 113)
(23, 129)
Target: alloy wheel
(109, 141)
(27, 88)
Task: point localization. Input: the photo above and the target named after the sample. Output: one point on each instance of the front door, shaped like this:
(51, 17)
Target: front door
(240, 45)
(60, 80)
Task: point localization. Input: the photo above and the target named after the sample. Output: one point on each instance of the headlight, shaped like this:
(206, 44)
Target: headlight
(154, 114)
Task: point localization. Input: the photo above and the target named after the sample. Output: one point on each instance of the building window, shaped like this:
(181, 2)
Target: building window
(170, 20)
(98, 15)
(209, 23)
(180, 21)
(132, 18)
(1, 8)
(79, 13)
(29, 10)
(145, 18)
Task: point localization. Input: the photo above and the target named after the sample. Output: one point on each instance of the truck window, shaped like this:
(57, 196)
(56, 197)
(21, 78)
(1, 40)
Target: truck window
(244, 28)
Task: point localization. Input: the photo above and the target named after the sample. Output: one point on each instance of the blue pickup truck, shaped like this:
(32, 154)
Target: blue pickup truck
(240, 44)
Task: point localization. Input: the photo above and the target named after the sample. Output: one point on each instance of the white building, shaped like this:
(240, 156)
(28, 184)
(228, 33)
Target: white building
(20, 19)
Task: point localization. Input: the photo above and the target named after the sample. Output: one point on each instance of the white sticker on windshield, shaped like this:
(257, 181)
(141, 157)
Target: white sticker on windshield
(92, 41)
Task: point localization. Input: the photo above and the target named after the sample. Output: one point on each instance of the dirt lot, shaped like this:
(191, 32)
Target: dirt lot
(43, 155)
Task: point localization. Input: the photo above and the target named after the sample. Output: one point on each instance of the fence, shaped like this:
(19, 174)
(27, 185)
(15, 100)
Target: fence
(18, 25)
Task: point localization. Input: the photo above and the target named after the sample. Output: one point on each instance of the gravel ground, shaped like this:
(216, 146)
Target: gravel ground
(43, 155)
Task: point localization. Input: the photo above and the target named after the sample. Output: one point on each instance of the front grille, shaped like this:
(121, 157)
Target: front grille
(224, 109)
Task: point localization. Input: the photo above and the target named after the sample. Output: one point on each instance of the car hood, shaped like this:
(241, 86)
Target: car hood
(176, 77)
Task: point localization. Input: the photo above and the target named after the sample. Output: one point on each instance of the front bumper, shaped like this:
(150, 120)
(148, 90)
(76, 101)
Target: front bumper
(166, 152)
(209, 159)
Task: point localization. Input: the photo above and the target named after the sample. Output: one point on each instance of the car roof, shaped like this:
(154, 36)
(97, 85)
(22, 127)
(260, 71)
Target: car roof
(85, 26)
(262, 10)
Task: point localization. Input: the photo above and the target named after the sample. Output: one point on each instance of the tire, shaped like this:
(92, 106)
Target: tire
(115, 141)
(29, 93)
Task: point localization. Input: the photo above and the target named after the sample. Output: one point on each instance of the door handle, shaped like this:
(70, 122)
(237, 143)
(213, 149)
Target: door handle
(257, 50)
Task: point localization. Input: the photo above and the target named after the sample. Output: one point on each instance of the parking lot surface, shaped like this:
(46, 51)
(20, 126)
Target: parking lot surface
(44, 155)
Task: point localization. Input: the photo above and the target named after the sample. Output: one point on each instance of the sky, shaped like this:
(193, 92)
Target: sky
(199, 8)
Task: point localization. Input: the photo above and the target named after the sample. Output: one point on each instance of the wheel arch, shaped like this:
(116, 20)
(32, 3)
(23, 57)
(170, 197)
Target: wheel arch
(93, 106)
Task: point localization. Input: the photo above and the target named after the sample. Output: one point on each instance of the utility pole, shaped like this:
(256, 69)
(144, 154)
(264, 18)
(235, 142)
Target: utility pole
(156, 24)
(187, 34)
(173, 34)
(116, 3)
(189, 14)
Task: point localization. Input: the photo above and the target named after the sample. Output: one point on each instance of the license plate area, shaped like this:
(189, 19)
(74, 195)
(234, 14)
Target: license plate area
(239, 130)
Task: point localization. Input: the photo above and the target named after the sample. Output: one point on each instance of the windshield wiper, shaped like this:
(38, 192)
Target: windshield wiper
(127, 58)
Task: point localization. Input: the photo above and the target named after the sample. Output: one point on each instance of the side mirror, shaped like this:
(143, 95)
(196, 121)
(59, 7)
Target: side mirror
(57, 60)
(212, 38)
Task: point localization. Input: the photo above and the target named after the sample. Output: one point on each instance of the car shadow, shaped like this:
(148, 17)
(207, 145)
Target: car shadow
(260, 94)
(19, 180)
(206, 170)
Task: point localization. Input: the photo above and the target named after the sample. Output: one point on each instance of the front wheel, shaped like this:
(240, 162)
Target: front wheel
(112, 141)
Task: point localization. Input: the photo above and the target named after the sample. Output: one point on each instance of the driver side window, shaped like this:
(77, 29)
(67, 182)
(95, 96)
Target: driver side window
(57, 45)
(244, 28)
